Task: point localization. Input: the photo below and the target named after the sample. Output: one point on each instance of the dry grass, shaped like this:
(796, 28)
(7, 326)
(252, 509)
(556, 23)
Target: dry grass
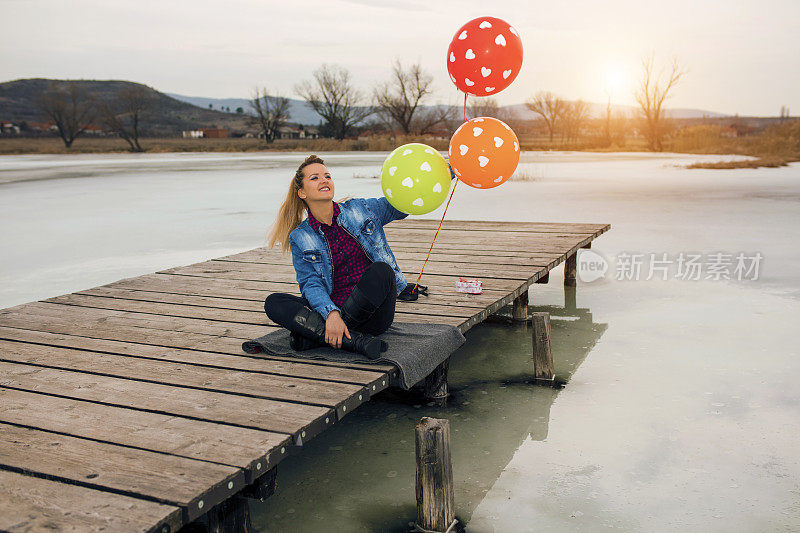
(769, 162)
(777, 146)
(523, 176)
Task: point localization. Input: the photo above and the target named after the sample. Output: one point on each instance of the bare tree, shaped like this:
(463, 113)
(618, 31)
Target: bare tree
(652, 91)
(435, 117)
(399, 99)
(549, 107)
(484, 107)
(619, 128)
(574, 117)
(488, 107)
(71, 109)
(123, 114)
(272, 112)
(335, 99)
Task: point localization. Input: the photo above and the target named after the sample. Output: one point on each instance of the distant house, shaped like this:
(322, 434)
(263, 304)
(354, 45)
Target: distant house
(43, 126)
(215, 133)
(297, 131)
(9, 128)
(206, 133)
(93, 129)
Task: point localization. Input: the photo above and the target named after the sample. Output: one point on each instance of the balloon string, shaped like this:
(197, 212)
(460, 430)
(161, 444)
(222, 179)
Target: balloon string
(435, 236)
(465, 107)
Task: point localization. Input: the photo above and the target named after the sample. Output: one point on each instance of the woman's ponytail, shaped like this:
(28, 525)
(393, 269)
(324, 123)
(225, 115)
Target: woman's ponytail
(291, 212)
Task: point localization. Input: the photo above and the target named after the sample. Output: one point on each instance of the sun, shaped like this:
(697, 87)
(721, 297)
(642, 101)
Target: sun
(616, 81)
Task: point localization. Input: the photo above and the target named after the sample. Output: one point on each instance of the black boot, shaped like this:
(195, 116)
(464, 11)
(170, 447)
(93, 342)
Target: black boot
(364, 343)
(308, 331)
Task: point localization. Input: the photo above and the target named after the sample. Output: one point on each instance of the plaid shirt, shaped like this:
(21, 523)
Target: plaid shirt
(347, 256)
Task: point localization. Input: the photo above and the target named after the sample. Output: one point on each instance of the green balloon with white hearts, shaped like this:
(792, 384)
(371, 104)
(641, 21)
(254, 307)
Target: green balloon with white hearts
(415, 179)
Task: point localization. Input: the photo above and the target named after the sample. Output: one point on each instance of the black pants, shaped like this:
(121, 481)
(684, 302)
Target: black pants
(377, 284)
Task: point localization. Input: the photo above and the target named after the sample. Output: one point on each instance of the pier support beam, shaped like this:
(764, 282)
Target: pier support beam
(231, 516)
(436, 384)
(435, 499)
(570, 269)
(570, 299)
(520, 311)
(542, 351)
(263, 487)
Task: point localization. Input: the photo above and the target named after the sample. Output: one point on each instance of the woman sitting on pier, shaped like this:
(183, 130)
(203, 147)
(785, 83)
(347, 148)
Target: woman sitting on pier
(348, 276)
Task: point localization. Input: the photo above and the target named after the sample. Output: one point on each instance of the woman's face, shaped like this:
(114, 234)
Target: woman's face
(317, 183)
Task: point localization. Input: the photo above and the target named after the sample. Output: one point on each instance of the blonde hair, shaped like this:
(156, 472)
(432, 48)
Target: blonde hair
(291, 212)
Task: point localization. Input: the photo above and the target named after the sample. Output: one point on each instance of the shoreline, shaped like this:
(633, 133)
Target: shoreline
(109, 145)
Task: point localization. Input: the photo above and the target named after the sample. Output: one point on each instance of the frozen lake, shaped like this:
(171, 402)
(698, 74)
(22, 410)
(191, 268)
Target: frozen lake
(681, 411)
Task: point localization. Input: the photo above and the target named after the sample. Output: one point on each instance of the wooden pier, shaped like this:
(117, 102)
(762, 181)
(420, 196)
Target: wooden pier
(132, 407)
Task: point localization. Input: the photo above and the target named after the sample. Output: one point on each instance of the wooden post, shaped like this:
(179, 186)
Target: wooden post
(231, 516)
(570, 269)
(570, 300)
(542, 352)
(435, 500)
(436, 384)
(521, 307)
(263, 487)
(544, 279)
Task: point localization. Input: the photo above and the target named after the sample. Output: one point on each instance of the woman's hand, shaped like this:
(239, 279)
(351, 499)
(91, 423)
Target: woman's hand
(335, 328)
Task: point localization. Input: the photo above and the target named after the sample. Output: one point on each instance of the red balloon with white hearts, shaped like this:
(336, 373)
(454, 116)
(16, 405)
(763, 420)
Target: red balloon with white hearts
(484, 56)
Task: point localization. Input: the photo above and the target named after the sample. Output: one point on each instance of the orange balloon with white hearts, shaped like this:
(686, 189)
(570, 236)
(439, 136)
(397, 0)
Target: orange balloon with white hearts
(484, 152)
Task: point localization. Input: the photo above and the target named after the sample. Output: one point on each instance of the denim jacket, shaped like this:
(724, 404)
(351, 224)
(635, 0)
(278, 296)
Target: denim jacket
(364, 219)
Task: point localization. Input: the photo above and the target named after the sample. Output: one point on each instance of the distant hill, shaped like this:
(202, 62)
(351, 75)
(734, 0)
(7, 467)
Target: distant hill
(169, 114)
(302, 114)
(165, 115)
(299, 111)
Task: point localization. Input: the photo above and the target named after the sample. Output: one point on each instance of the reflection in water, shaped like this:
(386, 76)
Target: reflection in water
(359, 475)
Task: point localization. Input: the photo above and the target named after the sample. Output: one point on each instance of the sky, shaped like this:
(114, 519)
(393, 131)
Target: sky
(740, 57)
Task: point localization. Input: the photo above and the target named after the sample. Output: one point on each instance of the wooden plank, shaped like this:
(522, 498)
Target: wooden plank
(253, 304)
(408, 266)
(469, 254)
(106, 318)
(232, 359)
(294, 368)
(258, 290)
(33, 504)
(342, 397)
(253, 315)
(443, 282)
(299, 420)
(411, 266)
(501, 226)
(488, 243)
(113, 321)
(244, 448)
(521, 259)
(186, 483)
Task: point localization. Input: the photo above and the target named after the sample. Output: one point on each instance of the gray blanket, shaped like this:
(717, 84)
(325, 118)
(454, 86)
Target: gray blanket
(415, 349)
